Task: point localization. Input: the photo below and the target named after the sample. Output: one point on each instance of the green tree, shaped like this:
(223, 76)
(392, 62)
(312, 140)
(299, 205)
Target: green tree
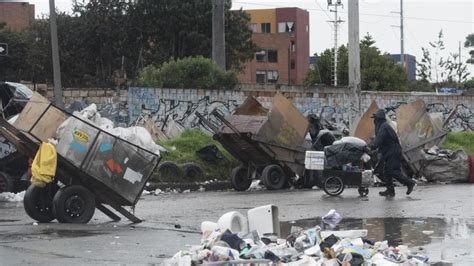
(440, 70)
(14, 66)
(105, 37)
(378, 71)
(190, 72)
(468, 44)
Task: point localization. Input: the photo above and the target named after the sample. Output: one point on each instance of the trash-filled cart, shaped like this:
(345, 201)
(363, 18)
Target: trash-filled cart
(269, 144)
(95, 168)
(341, 165)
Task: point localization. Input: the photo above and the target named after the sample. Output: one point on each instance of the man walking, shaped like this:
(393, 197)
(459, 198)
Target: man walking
(386, 140)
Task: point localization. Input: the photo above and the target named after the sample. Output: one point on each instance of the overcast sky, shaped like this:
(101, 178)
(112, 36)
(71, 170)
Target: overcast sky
(423, 20)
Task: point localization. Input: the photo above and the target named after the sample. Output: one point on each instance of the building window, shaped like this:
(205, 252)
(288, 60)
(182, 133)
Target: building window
(286, 27)
(266, 27)
(261, 56)
(272, 76)
(261, 76)
(293, 46)
(292, 64)
(272, 56)
(253, 27)
(267, 76)
(267, 55)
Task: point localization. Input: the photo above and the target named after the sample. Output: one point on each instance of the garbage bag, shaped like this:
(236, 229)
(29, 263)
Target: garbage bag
(44, 165)
(440, 167)
(343, 153)
(13, 97)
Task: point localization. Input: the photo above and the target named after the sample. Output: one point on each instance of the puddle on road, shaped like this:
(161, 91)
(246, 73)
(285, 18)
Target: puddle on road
(407, 231)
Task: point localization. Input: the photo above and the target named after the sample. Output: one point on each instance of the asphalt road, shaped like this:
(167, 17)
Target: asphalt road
(438, 220)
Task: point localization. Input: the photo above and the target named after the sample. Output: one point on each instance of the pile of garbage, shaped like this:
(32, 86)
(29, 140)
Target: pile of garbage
(234, 242)
(136, 135)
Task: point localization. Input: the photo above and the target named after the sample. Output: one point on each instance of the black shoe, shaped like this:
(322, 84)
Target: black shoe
(410, 187)
(390, 192)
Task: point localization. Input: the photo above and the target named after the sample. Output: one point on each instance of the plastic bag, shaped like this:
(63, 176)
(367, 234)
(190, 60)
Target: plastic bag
(44, 165)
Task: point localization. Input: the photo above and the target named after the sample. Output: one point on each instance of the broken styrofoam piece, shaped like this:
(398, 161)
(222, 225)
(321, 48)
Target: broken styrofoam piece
(233, 221)
(12, 197)
(264, 220)
(346, 234)
(207, 226)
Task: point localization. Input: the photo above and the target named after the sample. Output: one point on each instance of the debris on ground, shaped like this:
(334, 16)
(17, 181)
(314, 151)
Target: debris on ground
(440, 165)
(232, 242)
(12, 197)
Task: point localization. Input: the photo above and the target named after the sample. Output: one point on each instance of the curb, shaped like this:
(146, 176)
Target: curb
(212, 186)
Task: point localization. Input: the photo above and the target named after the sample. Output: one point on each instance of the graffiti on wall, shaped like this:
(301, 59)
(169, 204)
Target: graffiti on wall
(144, 103)
(180, 106)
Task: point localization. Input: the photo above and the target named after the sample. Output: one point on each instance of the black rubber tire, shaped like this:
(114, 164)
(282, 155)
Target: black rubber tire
(38, 204)
(335, 181)
(73, 204)
(239, 178)
(6, 182)
(192, 172)
(363, 191)
(274, 177)
(168, 171)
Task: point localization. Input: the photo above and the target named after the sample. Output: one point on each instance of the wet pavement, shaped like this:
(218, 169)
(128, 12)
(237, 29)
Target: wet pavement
(438, 220)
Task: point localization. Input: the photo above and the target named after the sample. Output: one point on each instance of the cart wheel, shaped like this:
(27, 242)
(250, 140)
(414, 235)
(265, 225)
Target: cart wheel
(6, 183)
(363, 191)
(333, 185)
(240, 179)
(74, 204)
(38, 203)
(274, 177)
(192, 171)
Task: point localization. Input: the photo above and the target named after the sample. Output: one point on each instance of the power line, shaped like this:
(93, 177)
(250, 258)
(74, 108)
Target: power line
(368, 14)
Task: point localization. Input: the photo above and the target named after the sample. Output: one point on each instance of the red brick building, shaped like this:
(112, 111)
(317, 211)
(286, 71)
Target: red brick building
(282, 34)
(17, 15)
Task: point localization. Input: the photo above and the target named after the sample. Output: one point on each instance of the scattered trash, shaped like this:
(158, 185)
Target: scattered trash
(12, 197)
(311, 246)
(332, 218)
(177, 226)
(202, 189)
(35, 223)
(427, 232)
(187, 191)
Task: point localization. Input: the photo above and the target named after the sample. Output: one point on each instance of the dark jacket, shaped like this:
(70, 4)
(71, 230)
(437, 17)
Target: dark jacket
(386, 139)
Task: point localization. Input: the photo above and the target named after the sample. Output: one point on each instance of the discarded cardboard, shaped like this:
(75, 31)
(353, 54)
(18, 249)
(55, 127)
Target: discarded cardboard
(39, 119)
(365, 128)
(251, 107)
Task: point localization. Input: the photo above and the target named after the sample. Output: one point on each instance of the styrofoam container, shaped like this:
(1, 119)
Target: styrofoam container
(314, 160)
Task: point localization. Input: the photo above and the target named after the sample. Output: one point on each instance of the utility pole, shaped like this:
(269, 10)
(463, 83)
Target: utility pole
(402, 40)
(336, 23)
(58, 93)
(218, 33)
(402, 48)
(354, 59)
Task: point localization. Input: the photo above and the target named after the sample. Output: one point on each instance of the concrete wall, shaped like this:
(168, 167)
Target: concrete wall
(125, 106)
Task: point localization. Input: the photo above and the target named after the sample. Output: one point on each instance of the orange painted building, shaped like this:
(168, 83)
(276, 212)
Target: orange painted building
(282, 35)
(16, 15)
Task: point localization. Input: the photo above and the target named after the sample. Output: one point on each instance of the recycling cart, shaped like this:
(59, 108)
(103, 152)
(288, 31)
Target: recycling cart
(95, 169)
(333, 181)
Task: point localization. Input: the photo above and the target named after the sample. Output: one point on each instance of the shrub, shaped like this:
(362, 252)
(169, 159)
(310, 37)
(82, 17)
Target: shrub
(460, 140)
(190, 72)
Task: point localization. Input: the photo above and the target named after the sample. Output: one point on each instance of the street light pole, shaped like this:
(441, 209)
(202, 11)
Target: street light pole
(58, 93)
